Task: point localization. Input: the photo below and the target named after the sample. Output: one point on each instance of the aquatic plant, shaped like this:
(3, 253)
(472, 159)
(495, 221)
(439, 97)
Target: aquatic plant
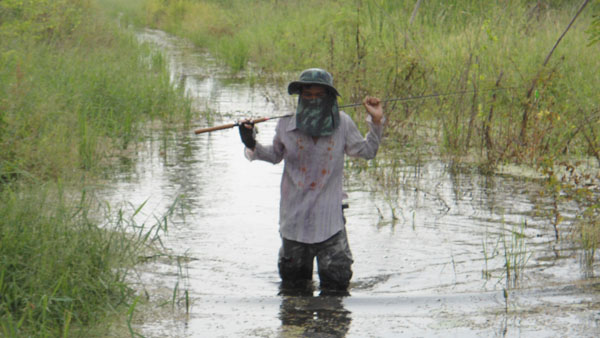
(515, 255)
(574, 183)
(182, 276)
(510, 246)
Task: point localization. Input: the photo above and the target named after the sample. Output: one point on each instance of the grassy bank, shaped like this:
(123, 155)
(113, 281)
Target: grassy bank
(74, 91)
(78, 91)
(62, 274)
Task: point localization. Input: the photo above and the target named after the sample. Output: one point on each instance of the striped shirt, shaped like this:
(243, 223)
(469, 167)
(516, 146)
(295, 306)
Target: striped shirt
(311, 186)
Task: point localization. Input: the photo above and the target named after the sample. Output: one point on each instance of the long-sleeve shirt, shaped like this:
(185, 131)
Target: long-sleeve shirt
(311, 186)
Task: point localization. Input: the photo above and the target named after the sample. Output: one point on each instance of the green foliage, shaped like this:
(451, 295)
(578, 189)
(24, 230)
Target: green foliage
(57, 266)
(53, 260)
(80, 96)
(41, 19)
(74, 91)
(130, 12)
(234, 51)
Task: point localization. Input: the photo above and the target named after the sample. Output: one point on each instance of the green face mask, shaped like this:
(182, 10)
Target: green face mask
(319, 116)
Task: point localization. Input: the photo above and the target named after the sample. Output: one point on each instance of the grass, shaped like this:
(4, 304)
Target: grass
(52, 92)
(381, 48)
(60, 268)
(515, 255)
(75, 91)
(509, 246)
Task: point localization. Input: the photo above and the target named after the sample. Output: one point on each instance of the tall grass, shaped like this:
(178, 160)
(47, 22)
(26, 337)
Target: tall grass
(75, 89)
(395, 49)
(59, 269)
(80, 96)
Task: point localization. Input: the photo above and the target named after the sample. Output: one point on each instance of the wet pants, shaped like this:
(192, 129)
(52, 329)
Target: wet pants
(334, 261)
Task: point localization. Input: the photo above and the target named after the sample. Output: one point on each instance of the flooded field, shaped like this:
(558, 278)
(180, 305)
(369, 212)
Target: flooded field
(449, 254)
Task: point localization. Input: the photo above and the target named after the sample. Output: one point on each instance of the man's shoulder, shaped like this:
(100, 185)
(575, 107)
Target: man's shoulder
(287, 123)
(344, 116)
(345, 119)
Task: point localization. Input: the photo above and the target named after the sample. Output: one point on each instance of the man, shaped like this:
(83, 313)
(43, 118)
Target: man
(312, 144)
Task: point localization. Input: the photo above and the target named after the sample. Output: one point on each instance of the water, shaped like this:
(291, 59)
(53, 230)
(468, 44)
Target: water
(429, 258)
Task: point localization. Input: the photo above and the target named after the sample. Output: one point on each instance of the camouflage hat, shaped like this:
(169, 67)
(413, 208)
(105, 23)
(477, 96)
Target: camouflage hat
(312, 76)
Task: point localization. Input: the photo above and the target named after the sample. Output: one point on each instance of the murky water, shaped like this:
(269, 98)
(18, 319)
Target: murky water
(430, 260)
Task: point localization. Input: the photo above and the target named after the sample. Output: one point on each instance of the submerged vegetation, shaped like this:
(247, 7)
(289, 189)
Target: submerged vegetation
(74, 89)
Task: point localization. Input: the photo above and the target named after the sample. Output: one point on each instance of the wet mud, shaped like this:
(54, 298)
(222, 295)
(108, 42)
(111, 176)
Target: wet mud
(450, 253)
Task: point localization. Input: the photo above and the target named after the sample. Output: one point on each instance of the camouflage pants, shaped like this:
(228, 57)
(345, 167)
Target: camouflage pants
(334, 261)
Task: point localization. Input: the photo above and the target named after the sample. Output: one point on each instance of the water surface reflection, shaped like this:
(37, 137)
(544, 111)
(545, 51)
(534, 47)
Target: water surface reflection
(308, 316)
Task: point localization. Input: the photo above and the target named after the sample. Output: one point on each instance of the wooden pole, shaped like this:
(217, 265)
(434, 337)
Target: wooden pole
(232, 125)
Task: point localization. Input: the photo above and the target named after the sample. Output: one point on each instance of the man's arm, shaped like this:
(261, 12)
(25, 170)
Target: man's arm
(356, 145)
(256, 151)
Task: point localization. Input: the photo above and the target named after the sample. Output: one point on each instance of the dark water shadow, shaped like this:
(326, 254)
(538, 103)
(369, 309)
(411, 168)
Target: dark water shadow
(303, 314)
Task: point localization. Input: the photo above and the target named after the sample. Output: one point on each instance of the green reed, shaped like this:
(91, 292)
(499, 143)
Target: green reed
(81, 96)
(60, 267)
(511, 248)
(516, 255)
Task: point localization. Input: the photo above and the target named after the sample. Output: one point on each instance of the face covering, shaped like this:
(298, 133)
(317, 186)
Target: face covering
(318, 116)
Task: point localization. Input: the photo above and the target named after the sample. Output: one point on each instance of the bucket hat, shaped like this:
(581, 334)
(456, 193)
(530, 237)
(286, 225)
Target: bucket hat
(312, 76)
